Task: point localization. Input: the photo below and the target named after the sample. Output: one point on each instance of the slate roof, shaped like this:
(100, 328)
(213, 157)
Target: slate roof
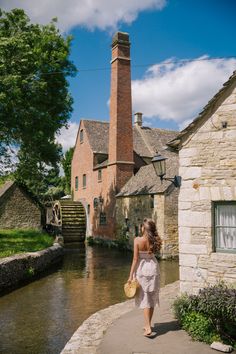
(146, 140)
(176, 142)
(146, 181)
(97, 133)
(5, 187)
(8, 184)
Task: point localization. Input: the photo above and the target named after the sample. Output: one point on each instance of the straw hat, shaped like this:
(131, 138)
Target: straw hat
(131, 288)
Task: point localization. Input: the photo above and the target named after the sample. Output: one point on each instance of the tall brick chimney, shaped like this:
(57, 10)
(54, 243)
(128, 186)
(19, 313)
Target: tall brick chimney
(120, 130)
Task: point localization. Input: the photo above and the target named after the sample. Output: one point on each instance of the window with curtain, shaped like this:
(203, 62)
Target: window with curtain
(225, 226)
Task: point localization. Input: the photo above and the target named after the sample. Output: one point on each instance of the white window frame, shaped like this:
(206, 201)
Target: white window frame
(228, 236)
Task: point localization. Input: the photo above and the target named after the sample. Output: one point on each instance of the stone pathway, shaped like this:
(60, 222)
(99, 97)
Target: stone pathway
(118, 330)
(89, 335)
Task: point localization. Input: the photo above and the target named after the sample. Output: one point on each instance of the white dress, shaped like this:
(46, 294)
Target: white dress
(148, 275)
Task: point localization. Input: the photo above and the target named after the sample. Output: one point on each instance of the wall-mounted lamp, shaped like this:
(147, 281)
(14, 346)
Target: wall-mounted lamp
(159, 164)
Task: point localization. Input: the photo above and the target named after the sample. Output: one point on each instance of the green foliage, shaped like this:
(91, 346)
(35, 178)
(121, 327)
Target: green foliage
(34, 98)
(7, 177)
(122, 237)
(181, 307)
(212, 311)
(90, 240)
(30, 271)
(200, 327)
(23, 240)
(66, 163)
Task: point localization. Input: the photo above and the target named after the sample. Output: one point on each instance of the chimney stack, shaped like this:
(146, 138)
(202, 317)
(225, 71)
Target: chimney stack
(120, 129)
(138, 119)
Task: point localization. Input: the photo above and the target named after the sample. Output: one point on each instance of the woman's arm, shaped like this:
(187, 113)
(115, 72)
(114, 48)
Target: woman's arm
(135, 260)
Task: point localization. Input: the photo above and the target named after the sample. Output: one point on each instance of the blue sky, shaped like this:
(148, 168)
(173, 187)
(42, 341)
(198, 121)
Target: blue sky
(162, 32)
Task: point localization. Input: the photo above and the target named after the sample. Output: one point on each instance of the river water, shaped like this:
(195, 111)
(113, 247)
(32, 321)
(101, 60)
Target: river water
(39, 318)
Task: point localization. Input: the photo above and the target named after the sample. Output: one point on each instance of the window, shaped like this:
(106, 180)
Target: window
(88, 209)
(84, 181)
(76, 183)
(152, 201)
(225, 226)
(95, 203)
(81, 136)
(103, 219)
(99, 175)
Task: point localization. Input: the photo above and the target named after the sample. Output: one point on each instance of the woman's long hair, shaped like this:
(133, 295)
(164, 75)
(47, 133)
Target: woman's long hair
(153, 237)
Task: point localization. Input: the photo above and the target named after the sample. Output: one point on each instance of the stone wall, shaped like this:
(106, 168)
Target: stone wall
(208, 169)
(171, 242)
(17, 210)
(24, 266)
(161, 208)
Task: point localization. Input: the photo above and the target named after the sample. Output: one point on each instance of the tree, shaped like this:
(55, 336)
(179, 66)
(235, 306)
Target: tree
(66, 163)
(34, 98)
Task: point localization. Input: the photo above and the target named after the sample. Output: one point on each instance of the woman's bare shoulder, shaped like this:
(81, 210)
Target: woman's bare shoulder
(138, 240)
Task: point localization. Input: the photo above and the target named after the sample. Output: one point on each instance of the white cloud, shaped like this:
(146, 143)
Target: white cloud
(179, 91)
(102, 14)
(67, 137)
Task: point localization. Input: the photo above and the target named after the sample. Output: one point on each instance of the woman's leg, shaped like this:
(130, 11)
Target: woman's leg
(151, 314)
(147, 319)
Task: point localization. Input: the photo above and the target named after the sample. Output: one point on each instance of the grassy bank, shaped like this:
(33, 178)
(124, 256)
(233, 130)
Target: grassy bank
(20, 241)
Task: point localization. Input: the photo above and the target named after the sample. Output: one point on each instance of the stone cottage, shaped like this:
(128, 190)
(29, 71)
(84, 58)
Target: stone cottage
(144, 195)
(108, 154)
(18, 209)
(207, 199)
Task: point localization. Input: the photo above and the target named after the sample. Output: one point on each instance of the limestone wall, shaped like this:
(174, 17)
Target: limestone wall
(162, 209)
(17, 210)
(24, 266)
(208, 169)
(171, 242)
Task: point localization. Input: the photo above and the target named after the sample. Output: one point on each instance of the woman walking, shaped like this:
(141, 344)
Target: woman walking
(145, 269)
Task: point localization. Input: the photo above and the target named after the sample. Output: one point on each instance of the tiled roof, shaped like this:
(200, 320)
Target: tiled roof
(146, 181)
(98, 133)
(155, 138)
(146, 140)
(176, 142)
(5, 187)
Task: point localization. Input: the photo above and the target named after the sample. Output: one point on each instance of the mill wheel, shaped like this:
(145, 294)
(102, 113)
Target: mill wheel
(72, 219)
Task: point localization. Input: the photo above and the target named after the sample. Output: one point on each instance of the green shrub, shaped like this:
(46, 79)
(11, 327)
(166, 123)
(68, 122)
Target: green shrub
(200, 327)
(210, 315)
(218, 303)
(181, 307)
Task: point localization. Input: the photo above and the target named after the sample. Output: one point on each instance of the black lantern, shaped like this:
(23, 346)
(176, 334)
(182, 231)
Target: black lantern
(159, 164)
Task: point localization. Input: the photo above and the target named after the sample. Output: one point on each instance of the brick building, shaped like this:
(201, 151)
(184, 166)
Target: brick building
(108, 155)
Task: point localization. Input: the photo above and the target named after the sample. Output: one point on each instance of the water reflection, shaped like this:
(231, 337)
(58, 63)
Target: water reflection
(40, 317)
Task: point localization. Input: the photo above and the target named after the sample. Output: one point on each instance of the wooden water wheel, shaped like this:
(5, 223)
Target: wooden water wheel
(70, 217)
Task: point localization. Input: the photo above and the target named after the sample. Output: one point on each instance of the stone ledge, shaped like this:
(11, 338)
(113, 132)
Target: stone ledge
(21, 267)
(87, 338)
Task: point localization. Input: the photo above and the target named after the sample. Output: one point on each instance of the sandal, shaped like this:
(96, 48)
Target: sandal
(146, 333)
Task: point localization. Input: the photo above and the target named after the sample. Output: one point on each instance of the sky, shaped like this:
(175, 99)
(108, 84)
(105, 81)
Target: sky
(182, 51)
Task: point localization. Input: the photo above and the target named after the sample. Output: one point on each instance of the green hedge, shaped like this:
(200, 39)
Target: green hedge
(210, 315)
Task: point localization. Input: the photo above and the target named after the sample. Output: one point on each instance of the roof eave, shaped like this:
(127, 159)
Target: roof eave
(177, 142)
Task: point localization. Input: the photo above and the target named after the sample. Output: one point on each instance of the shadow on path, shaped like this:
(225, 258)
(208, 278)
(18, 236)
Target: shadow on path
(162, 328)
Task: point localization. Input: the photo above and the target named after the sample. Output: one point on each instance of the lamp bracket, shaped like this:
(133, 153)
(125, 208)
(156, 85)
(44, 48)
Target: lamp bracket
(176, 180)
